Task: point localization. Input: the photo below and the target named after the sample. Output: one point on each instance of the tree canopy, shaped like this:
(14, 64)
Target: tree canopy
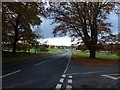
(82, 20)
(17, 18)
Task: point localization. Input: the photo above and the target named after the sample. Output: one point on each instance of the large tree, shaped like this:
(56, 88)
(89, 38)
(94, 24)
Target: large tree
(17, 17)
(82, 20)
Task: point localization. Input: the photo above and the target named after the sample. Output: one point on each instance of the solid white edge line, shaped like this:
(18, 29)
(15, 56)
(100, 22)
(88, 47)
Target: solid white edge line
(83, 73)
(10, 74)
(111, 77)
(114, 74)
(72, 73)
(90, 72)
(58, 86)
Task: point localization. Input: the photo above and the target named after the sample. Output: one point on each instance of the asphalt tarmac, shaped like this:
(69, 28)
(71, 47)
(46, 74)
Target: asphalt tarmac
(58, 72)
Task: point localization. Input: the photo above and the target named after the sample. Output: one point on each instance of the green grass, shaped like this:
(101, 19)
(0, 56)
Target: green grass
(107, 56)
(19, 57)
(55, 51)
(9, 57)
(98, 55)
(79, 53)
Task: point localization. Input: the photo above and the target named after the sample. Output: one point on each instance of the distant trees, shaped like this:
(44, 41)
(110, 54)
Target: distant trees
(43, 48)
(51, 46)
(82, 47)
(82, 20)
(111, 44)
(17, 18)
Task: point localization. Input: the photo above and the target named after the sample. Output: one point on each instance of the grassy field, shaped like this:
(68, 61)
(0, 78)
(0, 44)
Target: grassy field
(102, 59)
(98, 55)
(8, 57)
(56, 51)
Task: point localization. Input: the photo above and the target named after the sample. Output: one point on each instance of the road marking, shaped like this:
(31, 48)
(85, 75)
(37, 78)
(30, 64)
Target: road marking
(84, 73)
(111, 77)
(70, 81)
(58, 86)
(72, 73)
(114, 74)
(61, 80)
(70, 77)
(70, 55)
(67, 66)
(41, 63)
(63, 75)
(68, 87)
(45, 61)
(90, 72)
(10, 74)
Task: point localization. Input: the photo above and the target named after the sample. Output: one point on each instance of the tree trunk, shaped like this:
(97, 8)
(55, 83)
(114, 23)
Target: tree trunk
(15, 37)
(92, 53)
(14, 47)
(15, 41)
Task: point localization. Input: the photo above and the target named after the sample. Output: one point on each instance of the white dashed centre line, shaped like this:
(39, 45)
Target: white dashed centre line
(58, 87)
(70, 81)
(70, 76)
(61, 80)
(10, 74)
(63, 75)
(41, 63)
(68, 87)
(67, 66)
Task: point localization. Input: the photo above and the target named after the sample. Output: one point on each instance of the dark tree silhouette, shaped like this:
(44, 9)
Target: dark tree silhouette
(84, 20)
(16, 20)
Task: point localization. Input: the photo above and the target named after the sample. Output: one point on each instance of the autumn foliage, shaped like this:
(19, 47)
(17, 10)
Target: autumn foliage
(17, 19)
(82, 20)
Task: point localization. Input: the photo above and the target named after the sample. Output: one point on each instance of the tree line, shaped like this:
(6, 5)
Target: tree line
(84, 21)
(17, 20)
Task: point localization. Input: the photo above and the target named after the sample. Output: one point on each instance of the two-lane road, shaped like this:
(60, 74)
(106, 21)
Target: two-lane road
(40, 73)
(58, 71)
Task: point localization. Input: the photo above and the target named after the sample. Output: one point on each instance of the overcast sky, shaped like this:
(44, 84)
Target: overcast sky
(46, 30)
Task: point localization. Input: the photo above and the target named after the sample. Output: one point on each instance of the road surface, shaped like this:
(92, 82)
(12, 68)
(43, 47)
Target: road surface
(56, 72)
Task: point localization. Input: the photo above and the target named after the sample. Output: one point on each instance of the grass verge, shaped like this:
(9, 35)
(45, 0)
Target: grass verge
(8, 57)
(98, 55)
(102, 59)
